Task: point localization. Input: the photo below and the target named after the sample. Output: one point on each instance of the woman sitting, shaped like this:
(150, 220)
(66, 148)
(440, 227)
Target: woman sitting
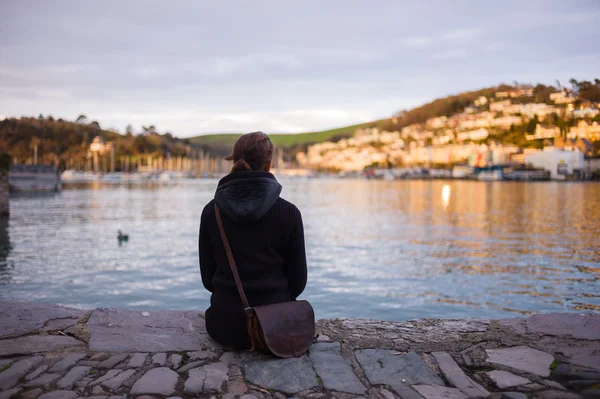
(266, 236)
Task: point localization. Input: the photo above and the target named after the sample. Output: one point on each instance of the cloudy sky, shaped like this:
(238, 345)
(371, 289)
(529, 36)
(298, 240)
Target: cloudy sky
(193, 67)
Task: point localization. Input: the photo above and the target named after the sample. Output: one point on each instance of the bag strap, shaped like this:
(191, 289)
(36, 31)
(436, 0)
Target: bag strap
(232, 264)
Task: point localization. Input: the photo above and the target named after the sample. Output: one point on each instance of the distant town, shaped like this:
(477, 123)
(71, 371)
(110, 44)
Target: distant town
(468, 143)
(518, 132)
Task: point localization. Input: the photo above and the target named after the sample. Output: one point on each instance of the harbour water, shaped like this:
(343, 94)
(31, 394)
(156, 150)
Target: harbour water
(391, 250)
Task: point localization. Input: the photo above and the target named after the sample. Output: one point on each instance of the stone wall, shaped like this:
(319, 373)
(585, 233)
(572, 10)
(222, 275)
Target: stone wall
(4, 189)
(53, 352)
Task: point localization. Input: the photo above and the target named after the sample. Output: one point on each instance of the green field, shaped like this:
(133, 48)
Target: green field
(282, 140)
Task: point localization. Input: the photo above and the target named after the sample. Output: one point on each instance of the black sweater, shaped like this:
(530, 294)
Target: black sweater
(266, 236)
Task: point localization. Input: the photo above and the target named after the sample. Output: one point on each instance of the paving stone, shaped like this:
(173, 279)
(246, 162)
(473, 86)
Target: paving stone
(504, 379)
(112, 361)
(5, 363)
(566, 372)
(10, 376)
(229, 358)
(97, 397)
(237, 387)
(457, 377)
(216, 375)
(59, 395)
(404, 391)
(195, 381)
(385, 394)
(557, 395)
(66, 362)
(97, 390)
(285, 375)
(208, 378)
(532, 387)
(84, 382)
(137, 360)
(37, 343)
(190, 366)
(145, 397)
(323, 338)
(582, 356)
(579, 385)
(159, 359)
(9, 393)
(115, 382)
(513, 395)
(333, 369)
(235, 372)
(174, 397)
(248, 397)
(438, 392)
(578, 326)
(100, 356)
(36, 373)
(18, 318)
(160, 381)
(200, 355)
(228, 396)
(42, 380)
(522, 358)
(398, 371)
(116, 330)
(74, 375)
(89, 363)
(175, 360)
(553, 384)
(593, 393)
(109, 374)
(31, 394)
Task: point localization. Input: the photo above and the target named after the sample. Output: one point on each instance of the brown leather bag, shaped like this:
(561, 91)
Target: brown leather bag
(284, 329)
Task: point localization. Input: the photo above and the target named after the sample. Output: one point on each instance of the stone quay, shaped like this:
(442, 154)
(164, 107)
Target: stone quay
(53, 352)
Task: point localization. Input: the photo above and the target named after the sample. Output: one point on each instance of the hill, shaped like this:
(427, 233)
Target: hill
(222, 143)
(445, 106)
(66, 143)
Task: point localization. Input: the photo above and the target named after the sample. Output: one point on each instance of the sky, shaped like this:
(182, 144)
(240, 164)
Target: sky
(196, 67)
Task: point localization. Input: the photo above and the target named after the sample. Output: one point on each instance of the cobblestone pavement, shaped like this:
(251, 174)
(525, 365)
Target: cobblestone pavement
(52, 352)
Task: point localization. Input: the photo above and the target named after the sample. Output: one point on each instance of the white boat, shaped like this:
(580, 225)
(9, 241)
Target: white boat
(492, 175)
(72, 175)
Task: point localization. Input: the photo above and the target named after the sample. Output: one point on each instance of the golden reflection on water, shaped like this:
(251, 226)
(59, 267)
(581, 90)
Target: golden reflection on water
(540, 238)
(446, 190)
(390, 250)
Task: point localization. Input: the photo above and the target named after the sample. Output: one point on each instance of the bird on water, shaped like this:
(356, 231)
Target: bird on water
(122, 237)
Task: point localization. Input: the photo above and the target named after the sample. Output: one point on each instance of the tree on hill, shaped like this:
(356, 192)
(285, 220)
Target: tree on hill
(541, 93)
(149, 129)
(81, 119)
(589, 91)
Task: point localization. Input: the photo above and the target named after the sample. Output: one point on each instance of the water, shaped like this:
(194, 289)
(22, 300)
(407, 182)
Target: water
(387, 250)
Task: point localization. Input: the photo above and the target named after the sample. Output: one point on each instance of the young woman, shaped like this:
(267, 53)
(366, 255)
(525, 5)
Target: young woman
(266, 236)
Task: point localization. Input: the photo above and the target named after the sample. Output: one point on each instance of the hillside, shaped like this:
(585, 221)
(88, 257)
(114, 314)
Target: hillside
(223, 142)
(445, 106)
(502, 121)
(66, 143)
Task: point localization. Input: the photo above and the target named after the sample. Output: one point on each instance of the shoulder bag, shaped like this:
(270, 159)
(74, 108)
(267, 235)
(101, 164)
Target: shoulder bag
(284, 329)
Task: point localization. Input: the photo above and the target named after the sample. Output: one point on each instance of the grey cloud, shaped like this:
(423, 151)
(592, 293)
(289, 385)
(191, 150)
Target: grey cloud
(193, 67)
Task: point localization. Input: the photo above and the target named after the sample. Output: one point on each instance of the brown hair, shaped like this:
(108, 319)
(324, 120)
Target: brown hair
(252, 151)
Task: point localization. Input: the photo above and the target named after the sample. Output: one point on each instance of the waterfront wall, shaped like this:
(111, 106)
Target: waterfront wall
(48, 351)
(4, 184)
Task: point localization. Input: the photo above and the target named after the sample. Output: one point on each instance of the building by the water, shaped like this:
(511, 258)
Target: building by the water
(33, 178)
